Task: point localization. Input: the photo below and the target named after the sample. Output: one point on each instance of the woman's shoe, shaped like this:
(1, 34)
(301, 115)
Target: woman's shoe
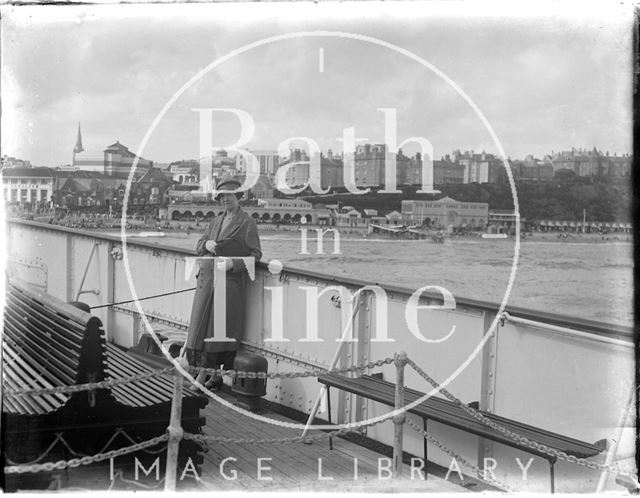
(214, 383)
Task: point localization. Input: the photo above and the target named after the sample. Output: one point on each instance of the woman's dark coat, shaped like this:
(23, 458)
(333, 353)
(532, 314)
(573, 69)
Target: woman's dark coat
(239, 238)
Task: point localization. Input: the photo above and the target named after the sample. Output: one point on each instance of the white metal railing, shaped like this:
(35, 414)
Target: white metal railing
(159, 269)
(569, 332)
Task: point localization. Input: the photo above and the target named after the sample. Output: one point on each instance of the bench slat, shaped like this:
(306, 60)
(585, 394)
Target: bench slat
(21, 404)
(68, 334)
(543, 436)
(26, 377)
(46, 346)
(51, 314)
(121, 365)
(42, 361)
(58, 311)
(46, 357)
(448, 413)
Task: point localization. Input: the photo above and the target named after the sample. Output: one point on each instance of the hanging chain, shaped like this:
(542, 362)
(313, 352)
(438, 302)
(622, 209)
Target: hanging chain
(522, 440)
(87, 460)
(485, 476)
(171, 370)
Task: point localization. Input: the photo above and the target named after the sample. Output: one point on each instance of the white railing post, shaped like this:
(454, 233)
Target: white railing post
(175, 435)
(400, 360)
(86, 271)
(613, 446)
(332, 365)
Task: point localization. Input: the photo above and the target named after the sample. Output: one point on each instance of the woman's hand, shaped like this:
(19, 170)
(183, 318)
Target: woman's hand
(210, 246)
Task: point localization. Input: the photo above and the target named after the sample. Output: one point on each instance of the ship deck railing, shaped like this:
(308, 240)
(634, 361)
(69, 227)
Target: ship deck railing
(569, 375)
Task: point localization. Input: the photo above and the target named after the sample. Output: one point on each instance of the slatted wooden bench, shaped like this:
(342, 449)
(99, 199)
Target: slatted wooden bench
(49, 343)
(450, 414)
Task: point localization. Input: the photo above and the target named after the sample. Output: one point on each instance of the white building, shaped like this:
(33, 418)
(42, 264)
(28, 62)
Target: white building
(446, 212)
(285, 203)
(85, 160)
(28, 185)
(13, 162)
(185, 172)
(267, 159)
(88, 161)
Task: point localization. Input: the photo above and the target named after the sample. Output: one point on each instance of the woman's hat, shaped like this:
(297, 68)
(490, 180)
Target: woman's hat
(230, 184)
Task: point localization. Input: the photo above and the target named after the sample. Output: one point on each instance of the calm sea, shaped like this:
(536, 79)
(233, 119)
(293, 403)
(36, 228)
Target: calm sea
(592, 280)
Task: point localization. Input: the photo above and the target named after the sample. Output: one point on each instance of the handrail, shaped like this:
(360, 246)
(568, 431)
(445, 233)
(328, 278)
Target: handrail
(567, 331)
(586, 326)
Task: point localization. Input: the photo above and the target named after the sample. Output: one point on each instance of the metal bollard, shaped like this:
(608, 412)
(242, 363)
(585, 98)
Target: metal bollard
(249, 392)
(400, 360)
(175, 435)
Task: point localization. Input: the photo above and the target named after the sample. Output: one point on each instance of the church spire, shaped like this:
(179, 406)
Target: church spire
(78, 147)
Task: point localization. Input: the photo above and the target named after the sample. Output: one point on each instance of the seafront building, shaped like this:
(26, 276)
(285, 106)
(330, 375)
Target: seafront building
(298, 169)
(479, 168)
(446, 172)
(33, 186)
(185, 172)
(114, 161)
(504, 221)
(445, 212)
(268, 161)
(98, 180)
(592, 162)
(602, 227)
(85, 189)
(13, 162)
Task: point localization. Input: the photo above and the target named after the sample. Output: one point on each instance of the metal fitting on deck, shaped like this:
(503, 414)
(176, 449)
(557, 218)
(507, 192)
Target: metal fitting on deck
(116, 253)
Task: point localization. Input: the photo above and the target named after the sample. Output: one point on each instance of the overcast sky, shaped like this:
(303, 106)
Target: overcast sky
(545, 81)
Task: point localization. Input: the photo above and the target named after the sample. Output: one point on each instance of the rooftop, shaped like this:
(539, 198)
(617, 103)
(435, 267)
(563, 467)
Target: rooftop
(28, 172)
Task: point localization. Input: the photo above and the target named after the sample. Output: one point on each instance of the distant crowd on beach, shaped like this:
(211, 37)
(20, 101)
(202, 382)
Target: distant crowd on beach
(105, 222)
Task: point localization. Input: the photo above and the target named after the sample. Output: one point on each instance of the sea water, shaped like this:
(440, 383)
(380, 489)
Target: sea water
(591, 279)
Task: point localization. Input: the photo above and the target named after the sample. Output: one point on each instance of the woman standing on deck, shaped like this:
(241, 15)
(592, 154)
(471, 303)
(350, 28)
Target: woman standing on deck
(233, 234)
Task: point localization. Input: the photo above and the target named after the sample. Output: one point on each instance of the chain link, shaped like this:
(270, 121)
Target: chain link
(57, 439)
(171, 370)
(522, 440)
(483, 475)
(290, 375)
(87, 460)
(90, 386)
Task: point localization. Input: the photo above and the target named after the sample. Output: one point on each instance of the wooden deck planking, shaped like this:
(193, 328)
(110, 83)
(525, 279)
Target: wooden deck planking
(294, 466)
(288, 452)
(225, 422)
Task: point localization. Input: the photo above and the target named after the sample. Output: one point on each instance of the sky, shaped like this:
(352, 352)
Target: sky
(543, 79)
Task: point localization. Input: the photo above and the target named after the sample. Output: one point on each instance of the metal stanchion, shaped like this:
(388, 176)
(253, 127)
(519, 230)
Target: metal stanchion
(332, 365)
(613, 447)
(399, 361)
(175, 435)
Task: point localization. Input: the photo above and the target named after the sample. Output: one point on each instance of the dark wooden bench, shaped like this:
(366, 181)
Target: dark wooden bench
(49, 343)
(451, 414)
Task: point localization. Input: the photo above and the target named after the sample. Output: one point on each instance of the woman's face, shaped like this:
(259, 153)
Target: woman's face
(229, 201)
